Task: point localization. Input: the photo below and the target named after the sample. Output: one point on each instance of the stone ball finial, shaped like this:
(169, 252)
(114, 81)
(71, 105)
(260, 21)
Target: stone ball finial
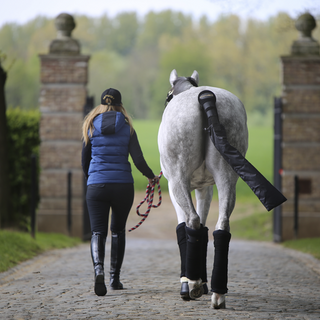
(64, 44)
(305, 45)
(64, 23)
(305, 24)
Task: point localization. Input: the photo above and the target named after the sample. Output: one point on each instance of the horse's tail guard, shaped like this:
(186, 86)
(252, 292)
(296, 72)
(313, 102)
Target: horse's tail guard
(269, 196)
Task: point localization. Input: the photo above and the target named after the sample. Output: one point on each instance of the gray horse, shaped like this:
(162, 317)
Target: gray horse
(190, 161)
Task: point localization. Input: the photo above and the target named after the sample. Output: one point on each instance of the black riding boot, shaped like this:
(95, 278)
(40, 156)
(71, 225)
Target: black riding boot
(118, 244)
(182, 243)
(219, 277)
(98, 244)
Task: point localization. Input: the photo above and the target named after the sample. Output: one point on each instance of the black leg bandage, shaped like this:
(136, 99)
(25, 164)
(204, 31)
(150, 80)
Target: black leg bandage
(269, 196)
(182, 243)
(193, 259)
(219, 277)
(204, 247)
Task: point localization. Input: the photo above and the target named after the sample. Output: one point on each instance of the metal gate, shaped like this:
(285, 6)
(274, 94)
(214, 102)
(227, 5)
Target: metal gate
(86, 221)
(277, 167)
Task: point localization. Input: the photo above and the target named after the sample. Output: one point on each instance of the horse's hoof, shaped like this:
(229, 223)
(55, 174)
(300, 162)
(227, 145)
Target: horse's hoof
(218, 301)
(195, 289)
(184, 292)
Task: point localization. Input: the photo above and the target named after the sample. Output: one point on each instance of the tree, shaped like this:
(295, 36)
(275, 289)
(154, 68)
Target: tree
(137, 55)
(4, 175)
(185, 54)
(155, 25)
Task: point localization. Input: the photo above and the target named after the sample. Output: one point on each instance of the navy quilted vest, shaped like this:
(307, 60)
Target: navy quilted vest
(109, 150)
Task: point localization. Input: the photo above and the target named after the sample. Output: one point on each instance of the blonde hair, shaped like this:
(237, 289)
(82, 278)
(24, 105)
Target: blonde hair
(88, 120)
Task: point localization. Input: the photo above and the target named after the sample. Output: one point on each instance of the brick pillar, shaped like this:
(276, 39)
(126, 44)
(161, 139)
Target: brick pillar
(301, 132)
(64, 74)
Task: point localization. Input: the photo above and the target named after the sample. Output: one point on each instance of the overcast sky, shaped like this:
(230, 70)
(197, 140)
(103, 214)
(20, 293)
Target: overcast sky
(21, 11)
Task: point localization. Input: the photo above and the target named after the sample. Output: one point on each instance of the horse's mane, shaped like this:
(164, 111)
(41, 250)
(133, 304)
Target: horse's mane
(182, 80)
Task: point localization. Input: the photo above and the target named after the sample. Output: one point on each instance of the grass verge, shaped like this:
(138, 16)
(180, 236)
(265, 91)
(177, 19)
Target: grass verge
(16, 247)
(308, 245)
(257, 226)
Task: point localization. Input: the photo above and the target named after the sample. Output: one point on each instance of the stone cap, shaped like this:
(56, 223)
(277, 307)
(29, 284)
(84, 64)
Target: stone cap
(64, 44)
(305, 45)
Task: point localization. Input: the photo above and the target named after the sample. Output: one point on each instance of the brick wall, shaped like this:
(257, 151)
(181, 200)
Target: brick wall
(64, 69)
(301, 100)
(61, 125)
(301, 70)
(62, 97)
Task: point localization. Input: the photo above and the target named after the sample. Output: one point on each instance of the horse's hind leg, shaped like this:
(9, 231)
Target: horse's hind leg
(189, 236)
(222, 236)
(204, 197)
(219, 278)
(226, 180)
(181, 197)
(182, 244)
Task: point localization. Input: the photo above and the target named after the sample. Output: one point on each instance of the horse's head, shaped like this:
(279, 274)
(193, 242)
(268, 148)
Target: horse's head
(180, 84)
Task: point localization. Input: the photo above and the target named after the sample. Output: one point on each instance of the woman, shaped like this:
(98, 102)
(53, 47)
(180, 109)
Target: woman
(109, 138)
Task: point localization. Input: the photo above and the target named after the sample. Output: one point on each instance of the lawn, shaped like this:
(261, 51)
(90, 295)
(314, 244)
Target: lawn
(16, 246)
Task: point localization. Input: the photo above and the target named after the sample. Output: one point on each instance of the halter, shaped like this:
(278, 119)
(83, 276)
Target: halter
(170, 93)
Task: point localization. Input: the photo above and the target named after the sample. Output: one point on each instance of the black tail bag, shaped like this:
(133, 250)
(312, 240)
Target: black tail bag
(269, 196)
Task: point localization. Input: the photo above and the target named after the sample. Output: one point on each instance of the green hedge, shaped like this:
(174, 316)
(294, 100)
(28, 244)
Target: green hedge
(23, 141)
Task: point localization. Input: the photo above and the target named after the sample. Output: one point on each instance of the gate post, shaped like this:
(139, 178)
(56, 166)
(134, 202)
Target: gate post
(69, 203)
(34, 192)
(296, 207)
(277, 167)
(301, 132)
(64, 76)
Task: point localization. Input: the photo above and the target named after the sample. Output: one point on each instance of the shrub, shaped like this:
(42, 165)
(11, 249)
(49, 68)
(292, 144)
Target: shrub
(23, 141)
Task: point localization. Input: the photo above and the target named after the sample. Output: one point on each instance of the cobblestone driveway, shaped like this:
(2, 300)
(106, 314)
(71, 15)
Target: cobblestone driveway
(265, 282)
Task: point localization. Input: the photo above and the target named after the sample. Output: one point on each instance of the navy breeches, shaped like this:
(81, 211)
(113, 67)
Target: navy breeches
(101, 198)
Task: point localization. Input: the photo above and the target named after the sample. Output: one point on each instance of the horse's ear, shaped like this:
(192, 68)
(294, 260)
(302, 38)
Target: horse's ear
(195, 76)
(173, 76)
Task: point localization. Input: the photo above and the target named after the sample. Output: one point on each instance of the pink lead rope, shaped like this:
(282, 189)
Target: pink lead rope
(149, 198)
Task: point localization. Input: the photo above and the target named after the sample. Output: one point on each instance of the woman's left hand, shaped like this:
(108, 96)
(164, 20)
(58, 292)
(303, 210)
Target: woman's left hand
(155, 179)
